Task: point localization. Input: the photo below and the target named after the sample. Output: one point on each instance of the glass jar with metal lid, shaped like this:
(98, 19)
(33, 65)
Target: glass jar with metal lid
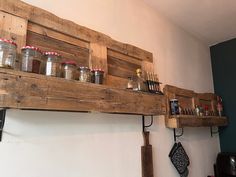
(31, 59)
(7, 53)
(53, 64)
(84, 74)
(68, 70)
(97, 76)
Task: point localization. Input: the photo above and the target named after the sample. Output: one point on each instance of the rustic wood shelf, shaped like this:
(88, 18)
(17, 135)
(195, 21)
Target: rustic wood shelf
(188, 99)
(22, 90)
(181, 121)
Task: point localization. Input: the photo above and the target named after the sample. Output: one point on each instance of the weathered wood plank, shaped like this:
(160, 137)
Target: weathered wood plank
(68, 51)
(124, 57)
(57, 35)
(47, 19)
(192, 121)
(31, 91)
(13, 28)
(116, 82)
(98, 57)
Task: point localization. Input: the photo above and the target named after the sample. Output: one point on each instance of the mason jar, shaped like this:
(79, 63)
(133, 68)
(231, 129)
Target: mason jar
(7, 53)
(69, 70)
(84, 74)
(97, 76)
(31, 59)
(53, 64)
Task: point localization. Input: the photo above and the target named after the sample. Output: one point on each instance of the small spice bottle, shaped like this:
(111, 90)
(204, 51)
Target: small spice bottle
(130, 83)
(68, 70)
(84, 74)
(7, 53)
(53, 64)
(97, 76)
(31, 59)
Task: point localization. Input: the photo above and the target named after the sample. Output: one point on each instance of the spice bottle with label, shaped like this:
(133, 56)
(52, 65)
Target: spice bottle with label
(53, 64)
(31, 59)
(7, 53)
(68, 70)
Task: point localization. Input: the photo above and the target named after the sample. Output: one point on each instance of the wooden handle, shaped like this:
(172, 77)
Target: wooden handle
(146, 138)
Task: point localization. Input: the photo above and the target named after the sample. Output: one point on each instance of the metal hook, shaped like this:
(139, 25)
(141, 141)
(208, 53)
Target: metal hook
(214, 132)
(177, 136)
(2, 121)
(146, 126)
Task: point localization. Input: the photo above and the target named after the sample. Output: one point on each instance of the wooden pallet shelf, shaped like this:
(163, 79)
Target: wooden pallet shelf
(181, 121)
(22, 90)
(188, 99)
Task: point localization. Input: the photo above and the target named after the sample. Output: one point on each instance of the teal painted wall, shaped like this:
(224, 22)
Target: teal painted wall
(223, 58)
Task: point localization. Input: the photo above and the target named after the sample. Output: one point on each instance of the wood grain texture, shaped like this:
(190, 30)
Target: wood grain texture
(13, 28)
(116, 82)
(182, 121)
(47, 19)
(121, 65)
(98, 57)
(67, 50)
(188, 99)
(31, 91)
(147, 157)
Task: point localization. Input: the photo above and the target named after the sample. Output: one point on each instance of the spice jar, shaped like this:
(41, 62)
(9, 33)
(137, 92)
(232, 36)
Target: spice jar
(7, 53)
(68, 70)
(53, 65)
(84, 74)
(97, 76)
(31, 59)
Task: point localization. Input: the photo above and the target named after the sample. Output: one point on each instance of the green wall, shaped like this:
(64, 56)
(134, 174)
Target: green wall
(223, 58)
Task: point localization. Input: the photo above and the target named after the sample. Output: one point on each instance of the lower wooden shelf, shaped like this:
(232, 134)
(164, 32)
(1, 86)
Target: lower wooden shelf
(181, 121)
(22, 90)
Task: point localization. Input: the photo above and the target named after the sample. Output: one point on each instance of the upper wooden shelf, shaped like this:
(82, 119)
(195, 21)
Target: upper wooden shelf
(188, 99)
(22, 90)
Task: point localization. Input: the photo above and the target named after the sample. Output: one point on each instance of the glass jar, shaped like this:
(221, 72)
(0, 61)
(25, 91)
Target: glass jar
(7, 53)
(139, 82)
(84, 74)
(97, 76)
(31, 59)
(130, 83)
(68, 70)
(53, 64)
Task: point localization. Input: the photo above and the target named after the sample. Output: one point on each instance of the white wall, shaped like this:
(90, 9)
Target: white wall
(50, 144)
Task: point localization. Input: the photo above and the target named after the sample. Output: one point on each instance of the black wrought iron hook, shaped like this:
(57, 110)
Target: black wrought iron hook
(177, 136)
(2, 121)
(144, 123)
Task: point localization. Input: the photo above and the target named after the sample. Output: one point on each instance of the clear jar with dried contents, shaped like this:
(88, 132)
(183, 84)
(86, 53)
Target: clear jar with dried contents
(7, 53)
(69, 70)
(84, 74)
(53, 64)
(97, 76)
(31, 59)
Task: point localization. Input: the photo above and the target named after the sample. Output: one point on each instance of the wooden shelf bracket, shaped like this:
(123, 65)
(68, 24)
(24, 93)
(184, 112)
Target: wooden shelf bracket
(2, 121)
(144, 123)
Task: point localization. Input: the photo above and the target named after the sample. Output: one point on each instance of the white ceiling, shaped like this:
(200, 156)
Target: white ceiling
(213, 21)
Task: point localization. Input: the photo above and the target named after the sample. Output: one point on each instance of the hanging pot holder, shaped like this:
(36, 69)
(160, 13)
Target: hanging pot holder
(180, 159)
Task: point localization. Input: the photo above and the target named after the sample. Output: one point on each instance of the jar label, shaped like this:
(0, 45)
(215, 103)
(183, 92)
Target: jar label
(51, 69)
